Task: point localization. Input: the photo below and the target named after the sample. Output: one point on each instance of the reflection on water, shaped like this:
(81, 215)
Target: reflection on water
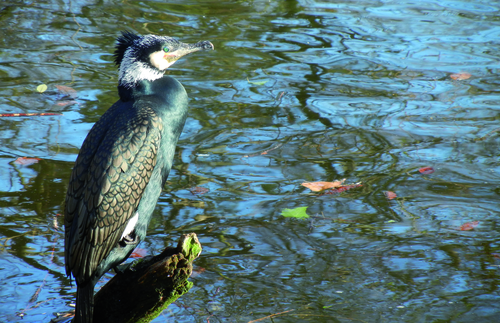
(295, 91)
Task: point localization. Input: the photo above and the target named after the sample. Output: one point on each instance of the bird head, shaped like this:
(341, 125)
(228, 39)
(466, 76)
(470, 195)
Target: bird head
(147, 57)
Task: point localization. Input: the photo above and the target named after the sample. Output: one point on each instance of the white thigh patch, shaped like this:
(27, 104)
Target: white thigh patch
(130, 225)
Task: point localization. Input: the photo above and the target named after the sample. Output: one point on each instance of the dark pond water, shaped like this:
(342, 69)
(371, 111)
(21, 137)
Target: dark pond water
(296, 91)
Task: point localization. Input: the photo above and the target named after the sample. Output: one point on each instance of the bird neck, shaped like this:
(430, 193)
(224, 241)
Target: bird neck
(139, 89)
(133, 71)
(167, 93)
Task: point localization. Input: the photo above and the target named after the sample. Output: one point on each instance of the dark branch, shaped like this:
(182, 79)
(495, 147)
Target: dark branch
(149, 286)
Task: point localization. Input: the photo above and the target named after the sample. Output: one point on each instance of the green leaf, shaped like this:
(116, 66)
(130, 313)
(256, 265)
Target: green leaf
(41, 88)
(299, 213)
(257, 83)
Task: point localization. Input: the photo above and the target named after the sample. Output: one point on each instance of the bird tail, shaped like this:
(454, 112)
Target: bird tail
(84, 304)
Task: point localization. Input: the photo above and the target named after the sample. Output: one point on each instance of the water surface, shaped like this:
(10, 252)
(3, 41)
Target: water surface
(295, 91)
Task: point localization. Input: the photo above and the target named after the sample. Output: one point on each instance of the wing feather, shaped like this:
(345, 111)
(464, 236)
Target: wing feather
(114, 166)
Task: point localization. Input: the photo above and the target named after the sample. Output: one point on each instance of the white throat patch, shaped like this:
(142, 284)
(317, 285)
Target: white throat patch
(132, 71)
(159, 61)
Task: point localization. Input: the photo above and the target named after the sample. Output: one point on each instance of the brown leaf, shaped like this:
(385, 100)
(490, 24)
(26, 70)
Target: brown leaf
(342, 188)
(319, 186)
(469, 226)
(390, 195)
(66, 90)
(199, 190)
(138, 253)
(460, 76)
(426, 170)
(26, 161)
(66, 102)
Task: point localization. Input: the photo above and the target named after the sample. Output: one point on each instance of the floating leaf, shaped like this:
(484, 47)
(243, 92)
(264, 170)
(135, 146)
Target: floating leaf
(299, 213)
(257, 83)
(138, 253)
(199, 190)
(342, 189)
(65, 103)
(66, 90)
(426, 170)
(41, 88)
(390, 195)
(469, 226)
(460, 76)
(26, 161)
(319, 186)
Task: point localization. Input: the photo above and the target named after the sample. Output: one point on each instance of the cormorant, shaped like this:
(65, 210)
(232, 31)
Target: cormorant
(124, 162)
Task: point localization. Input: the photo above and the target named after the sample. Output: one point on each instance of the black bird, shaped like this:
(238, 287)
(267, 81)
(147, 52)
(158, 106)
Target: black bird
(124, 162)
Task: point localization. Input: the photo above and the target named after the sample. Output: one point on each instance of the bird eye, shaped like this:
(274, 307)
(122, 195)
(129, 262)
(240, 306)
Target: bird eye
(166, 49)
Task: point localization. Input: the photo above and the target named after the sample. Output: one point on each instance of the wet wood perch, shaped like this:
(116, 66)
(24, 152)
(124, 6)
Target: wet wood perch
(150, 285)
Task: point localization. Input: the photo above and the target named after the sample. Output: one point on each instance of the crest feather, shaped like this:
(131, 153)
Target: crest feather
(122, 43)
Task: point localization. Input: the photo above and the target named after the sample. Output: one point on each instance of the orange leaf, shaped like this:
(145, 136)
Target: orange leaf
(199, 190)
(469, 226)
(26, 161)
(342, 189)
(138, 253)
(66, 90)
(390, 195)
(319, 186)
(460, 76)
(65, 103)
(426, 170)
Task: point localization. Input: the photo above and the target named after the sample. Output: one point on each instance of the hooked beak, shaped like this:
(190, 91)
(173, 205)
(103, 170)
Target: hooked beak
(204, 45)
(185, 49)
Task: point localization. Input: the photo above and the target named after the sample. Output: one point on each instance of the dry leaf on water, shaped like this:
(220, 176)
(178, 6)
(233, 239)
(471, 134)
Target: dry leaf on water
(198, 190)
(390, 195)
(138, 253)
(66, 90)
(426, 170)
(320, 186)
(460, 76)
(342, 188)
(65, 103)
(469, 226)
(26, 161)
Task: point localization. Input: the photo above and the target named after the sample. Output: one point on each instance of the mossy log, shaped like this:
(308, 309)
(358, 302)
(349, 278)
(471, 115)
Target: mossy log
(150, 285)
